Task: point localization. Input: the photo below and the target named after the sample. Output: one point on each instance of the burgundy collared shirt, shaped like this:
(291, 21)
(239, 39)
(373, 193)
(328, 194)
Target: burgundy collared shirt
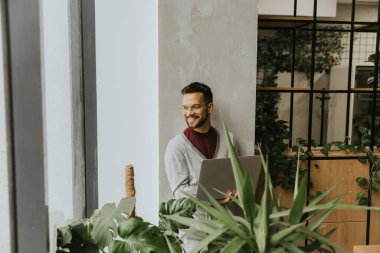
(204, 142)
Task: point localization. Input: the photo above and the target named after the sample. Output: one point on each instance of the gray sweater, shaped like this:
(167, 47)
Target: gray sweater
(183, 162)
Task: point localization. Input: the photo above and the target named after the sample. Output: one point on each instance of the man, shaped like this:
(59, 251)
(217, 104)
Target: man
(186, 151)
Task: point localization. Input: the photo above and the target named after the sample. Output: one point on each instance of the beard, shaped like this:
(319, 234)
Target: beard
(198, 120)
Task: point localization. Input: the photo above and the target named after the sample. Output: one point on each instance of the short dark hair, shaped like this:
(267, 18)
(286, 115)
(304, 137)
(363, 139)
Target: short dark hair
(199, 87)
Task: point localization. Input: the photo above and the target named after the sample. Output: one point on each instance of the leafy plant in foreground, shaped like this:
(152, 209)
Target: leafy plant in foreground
(112, 229)
(265, 227)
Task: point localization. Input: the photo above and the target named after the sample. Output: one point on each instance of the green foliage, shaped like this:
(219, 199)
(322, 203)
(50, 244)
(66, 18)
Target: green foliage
(371, 80)
(274, 56)
(76, 238)
(366, 183)
(138, 236)
(365, 132)
(100, 231)
(106, 220)
(341, 145)
(264, 227)
(275, 52)
(365, 137)
(182, 207)
(112, 229)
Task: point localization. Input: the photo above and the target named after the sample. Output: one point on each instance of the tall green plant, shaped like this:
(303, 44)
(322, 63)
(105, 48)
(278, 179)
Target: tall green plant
(264, 227)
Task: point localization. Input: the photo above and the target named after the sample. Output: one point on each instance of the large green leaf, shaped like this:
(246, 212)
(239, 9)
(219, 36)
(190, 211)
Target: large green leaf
(292, 248)
(220, 214)
(234, 245)
(313, 225)
(172, 248)
(321, 196)
(138, 236)
(315, 245)
(297, 175)
(183, 207)
(283, 233)
(81, 240)
(261, 227)
(323, 239)
(243, 182)
(63, 236)
(296, 210)
(268, 177)
(324, 207)
(106, 219)
(208, 239)
(206, 226)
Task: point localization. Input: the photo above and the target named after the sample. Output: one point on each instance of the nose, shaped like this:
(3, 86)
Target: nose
(188, 113)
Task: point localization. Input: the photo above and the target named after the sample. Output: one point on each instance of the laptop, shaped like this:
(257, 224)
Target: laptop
(218, 174)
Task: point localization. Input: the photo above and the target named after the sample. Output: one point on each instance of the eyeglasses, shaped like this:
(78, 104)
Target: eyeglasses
(186, 108)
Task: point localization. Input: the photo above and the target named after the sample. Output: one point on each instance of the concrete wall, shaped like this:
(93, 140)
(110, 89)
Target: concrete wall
(212, 42)
(127, 90)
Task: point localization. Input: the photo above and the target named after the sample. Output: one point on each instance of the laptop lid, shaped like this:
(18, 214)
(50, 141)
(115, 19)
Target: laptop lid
(218, 174)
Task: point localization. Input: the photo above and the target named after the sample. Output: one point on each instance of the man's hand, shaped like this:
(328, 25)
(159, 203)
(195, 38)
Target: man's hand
(230, 196)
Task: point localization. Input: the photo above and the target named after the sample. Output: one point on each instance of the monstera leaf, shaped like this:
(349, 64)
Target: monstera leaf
(138, 236)
(64, 236)
(76, 238)
(105, 221)
(183, 207)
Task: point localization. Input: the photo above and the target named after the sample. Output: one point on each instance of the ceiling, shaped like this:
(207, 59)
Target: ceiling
(357, 1)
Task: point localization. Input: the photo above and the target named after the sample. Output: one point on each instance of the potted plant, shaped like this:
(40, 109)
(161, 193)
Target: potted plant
(265, 227)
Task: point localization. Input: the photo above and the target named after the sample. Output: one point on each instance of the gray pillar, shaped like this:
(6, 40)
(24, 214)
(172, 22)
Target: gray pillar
(25, 105)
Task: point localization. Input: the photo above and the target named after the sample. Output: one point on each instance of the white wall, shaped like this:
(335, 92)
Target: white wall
(4, 184)
(127, 98)
(57, 105)
(57, 113)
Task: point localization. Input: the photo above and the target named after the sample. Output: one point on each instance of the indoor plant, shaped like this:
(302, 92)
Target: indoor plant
(266, 227)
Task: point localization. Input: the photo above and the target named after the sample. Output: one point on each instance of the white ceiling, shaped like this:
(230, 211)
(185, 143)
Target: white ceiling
(357, 1)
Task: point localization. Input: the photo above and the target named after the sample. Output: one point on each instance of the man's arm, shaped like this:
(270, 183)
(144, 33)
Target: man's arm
(177, 171)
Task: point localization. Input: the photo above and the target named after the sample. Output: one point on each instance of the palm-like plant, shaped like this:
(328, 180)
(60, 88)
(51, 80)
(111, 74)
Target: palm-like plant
(264, 227)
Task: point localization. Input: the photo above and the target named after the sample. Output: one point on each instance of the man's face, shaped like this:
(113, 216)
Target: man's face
(195, 111)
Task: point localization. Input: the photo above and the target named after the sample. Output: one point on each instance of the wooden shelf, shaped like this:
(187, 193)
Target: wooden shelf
(333, 153)
(307, 89)
(364, 89)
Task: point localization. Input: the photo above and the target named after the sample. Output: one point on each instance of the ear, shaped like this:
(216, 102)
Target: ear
(210, 107)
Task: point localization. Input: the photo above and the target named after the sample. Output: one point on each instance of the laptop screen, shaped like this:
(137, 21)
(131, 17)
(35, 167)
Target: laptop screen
(217, 174)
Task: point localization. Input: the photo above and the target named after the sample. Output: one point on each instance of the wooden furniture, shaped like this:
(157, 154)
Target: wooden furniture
(350, 224)
(367, 249)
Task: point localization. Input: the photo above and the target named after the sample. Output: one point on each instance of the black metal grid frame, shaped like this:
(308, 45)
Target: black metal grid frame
(354, 27)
